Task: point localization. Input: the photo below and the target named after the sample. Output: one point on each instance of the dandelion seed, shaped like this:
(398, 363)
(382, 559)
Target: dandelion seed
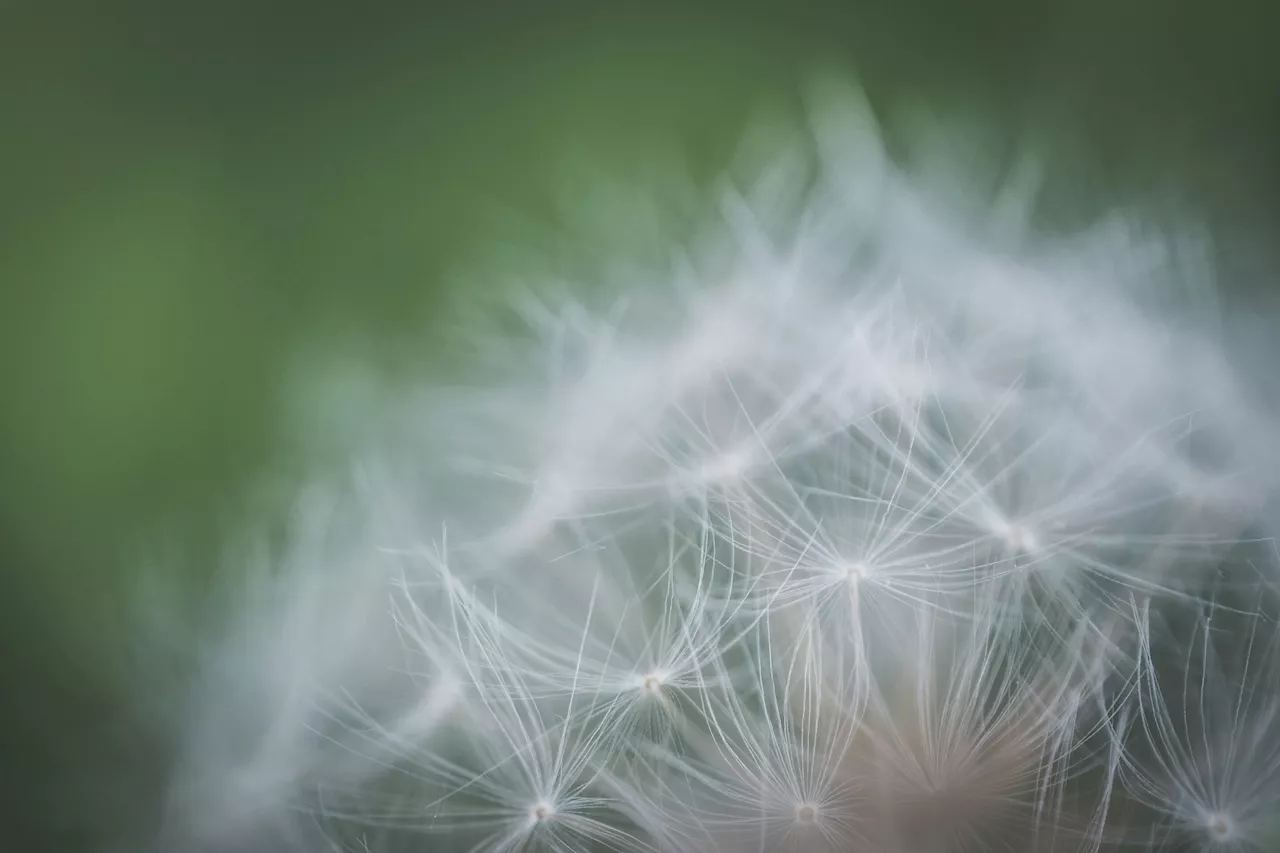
(1219, 828)
(652, 683)
(1204, 751)
(855, 573)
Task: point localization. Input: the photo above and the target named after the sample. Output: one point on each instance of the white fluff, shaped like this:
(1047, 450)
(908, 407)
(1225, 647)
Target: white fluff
(827, 535)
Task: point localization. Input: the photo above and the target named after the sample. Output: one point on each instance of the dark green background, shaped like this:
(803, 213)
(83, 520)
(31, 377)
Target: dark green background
(192, 192)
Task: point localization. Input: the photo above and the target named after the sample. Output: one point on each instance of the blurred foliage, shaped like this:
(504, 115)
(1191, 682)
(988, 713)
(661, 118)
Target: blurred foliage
(190, 194)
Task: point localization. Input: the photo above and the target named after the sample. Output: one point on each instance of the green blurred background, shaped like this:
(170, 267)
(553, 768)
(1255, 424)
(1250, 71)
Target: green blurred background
(193, 193)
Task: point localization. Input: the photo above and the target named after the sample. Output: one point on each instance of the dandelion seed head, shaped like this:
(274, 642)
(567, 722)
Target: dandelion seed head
(758, 565)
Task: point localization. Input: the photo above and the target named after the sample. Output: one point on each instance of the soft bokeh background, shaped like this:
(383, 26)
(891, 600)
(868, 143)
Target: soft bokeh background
(191, 195)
